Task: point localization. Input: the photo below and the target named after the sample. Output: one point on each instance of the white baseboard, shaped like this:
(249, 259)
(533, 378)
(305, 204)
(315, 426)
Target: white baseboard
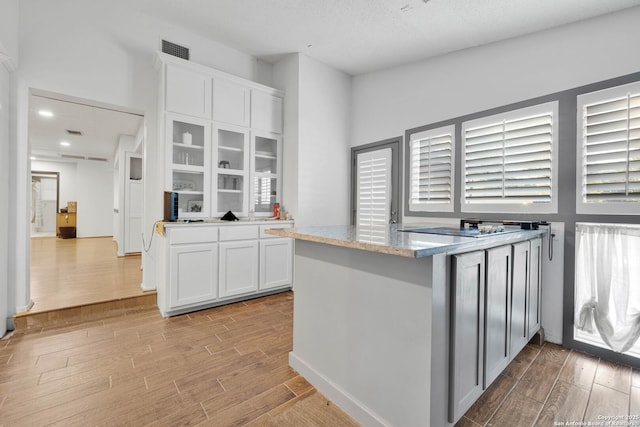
(354, 408)
(21, 309)
(145, 289)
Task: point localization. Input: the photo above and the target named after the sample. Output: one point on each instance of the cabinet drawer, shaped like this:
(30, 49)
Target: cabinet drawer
(241, 232)
(188, 234)
(264, 235)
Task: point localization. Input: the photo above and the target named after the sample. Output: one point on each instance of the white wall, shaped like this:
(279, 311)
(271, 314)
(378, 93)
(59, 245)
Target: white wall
(286, 75)
(9, 29)
(4, 193)
(323, 144)
(90, 183)
(8, 63)
(316, 140)
(95, 214)
(388, 102)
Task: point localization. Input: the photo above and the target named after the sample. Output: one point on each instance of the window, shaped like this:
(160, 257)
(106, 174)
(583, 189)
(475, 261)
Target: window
(431, 170)
(608, 151)
(509, 161)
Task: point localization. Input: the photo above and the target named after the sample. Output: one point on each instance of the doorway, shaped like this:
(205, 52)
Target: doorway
(76, 146)
(375, 184)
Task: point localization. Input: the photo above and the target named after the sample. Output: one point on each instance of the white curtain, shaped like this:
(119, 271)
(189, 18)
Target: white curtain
(607, 287)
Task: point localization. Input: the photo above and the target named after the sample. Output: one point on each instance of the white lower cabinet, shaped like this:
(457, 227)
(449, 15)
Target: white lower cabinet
(208, 265)
(238, 267)
(495, 311)
(194, 271)
(275, 262)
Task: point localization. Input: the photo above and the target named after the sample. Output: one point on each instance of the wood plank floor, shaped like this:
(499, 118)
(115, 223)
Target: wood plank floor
(227, 366)
(75, 272)
(553, 386)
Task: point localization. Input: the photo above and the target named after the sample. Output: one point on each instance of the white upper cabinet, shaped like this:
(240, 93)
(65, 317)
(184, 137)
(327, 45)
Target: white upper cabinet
(231, 102)
(188, 92)
(188, 142)
(266, 111)
(266, 165)
(223, 137)
(231, 169)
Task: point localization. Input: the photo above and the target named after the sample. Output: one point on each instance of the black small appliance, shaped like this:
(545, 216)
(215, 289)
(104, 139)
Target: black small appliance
(170, 206)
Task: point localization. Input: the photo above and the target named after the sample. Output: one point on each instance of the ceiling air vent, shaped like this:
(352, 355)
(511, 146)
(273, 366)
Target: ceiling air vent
(98, 159)
(175, 50)
(71, 156)
(74, 132)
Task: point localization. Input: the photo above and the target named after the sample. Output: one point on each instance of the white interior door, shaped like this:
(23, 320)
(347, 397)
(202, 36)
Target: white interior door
(133, 208)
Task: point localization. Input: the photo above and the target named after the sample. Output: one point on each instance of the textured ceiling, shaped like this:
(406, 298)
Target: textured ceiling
(359, 36)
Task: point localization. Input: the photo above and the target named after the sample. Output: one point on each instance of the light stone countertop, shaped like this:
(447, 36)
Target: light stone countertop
(389, 240)
(216, 221)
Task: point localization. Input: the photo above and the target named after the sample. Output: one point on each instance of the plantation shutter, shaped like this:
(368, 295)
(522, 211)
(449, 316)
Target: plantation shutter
(509, 160)
(431, 169)
(373, 191)
(611, 150)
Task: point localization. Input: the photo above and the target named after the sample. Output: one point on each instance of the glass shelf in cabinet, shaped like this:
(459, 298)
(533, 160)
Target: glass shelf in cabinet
(266, 155)
(188, 146)
(188, 168)
(194, 192)
(233, 172)
(225, 148)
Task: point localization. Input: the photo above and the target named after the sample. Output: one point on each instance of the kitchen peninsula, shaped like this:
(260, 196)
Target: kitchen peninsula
(408, 329)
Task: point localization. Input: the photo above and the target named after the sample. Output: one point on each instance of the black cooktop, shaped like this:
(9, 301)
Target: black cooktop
(463, 232)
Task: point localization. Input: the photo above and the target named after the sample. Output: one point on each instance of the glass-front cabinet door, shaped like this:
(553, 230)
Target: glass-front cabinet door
(188, 151)
(266, 167)
(231, 163)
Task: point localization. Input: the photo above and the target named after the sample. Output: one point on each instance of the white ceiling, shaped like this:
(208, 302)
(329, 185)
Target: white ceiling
(355, 36)
(359, 36)
(101, 128)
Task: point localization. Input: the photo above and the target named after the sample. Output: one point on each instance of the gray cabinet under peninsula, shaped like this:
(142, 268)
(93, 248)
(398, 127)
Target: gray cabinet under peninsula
(410, 330)
(495, 312)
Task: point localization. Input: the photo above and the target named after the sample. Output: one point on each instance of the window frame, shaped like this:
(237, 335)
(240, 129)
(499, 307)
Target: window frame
(551, 207)
(598, 207)
(431, 206)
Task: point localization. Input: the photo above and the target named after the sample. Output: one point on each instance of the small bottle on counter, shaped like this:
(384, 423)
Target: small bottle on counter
(276, 210)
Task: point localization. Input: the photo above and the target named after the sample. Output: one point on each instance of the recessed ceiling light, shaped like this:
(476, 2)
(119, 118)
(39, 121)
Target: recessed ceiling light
(65, 143)
(33, 157)
(45, 113)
